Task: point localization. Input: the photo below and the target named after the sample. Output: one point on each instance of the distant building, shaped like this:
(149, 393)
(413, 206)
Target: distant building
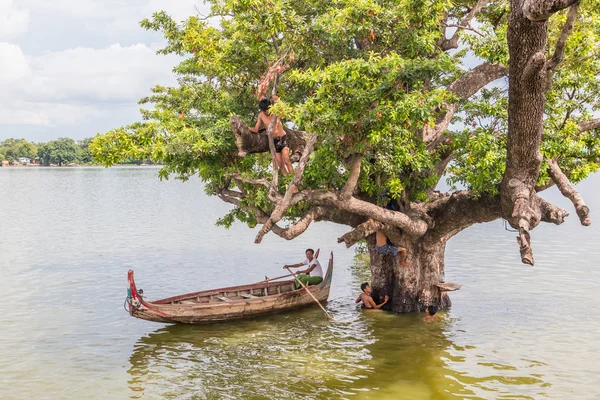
(24, 160)
(5, 163)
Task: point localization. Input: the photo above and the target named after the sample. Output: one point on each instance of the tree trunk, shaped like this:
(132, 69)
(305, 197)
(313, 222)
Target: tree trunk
(527, 96)
(410, 289)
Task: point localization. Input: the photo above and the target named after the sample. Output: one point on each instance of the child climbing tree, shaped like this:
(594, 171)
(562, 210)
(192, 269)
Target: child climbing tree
(385, 97)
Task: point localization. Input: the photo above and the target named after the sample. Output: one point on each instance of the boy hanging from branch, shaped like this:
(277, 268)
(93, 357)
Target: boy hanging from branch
(384, 245)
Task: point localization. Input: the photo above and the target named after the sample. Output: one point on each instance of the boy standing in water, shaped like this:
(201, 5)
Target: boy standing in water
(280, 138)
(431, 317)
(366, 298)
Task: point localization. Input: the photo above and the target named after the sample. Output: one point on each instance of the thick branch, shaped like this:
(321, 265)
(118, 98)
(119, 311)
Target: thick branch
(559, 52)
(248, 142)
(463, 88)
(285, 203)
(569, 191)
(459, 211)
(551, 213)
(363, 230)
(301, 226)
(350, 185)
(589, 125)
(541, 10)
(368, 228)
(412, 226)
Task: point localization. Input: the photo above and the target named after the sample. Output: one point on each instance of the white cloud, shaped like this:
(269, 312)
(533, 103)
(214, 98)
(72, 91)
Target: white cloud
(13, 65)
(68, 86)
(114, 17)
(13, 20)
(59, 71)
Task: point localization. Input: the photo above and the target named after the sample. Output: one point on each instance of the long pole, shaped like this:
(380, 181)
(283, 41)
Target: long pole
(310, 293)
(267, 279)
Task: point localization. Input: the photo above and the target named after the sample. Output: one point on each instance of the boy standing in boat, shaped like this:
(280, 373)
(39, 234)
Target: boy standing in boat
(313, 275)
(366, 298)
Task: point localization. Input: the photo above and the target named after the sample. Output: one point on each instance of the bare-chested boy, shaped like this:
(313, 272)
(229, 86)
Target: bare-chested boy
(366, 298)
(431, 317)
(280, 138)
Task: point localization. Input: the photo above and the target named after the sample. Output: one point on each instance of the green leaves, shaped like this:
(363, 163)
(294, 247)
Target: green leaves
(367, 77)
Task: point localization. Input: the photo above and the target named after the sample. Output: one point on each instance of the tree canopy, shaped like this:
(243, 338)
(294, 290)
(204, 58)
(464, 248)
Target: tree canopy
(13, 149)
(392, 96)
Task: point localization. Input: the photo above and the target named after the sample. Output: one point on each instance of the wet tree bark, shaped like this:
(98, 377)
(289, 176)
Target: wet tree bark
(410, 289)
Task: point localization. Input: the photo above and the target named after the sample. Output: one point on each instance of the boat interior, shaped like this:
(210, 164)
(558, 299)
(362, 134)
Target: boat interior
(245, 292)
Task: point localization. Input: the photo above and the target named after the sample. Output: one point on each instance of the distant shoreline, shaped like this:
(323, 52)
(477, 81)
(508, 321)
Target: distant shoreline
(79, 166)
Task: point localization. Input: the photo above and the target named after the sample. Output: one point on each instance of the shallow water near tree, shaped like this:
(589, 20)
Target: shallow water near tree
(70, 235)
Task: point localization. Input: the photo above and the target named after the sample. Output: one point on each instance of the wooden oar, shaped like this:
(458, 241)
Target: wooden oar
(310, 293)
(267, 279)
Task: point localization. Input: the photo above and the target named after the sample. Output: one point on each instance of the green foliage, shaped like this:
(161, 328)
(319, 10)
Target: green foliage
(12, 149)
(365, 76)
(480, 147)
(61, 151)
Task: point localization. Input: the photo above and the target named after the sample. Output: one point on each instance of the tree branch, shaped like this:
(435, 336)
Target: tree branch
(285, 203)
(452, 43)
(459, 211)
(301, 226)
(412, 226)
(551, 213)
(589, 125)
(559, 52)
(350, 185)
(248, 142)
(569, 191)
(463, 88)
(363, 230)
(541, 10)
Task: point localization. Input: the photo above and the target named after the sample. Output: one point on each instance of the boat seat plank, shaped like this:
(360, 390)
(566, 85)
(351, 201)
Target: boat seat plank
(448, 286)
(249, 296)
(223, 298)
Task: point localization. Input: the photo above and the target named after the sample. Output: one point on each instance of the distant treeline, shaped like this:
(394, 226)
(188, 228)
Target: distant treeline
(61, 151)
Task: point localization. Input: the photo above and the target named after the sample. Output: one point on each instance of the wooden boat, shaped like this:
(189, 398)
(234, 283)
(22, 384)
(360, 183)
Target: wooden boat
(230, 303)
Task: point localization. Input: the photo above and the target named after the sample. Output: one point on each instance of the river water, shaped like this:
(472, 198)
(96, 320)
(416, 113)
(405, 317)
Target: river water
(70, 235)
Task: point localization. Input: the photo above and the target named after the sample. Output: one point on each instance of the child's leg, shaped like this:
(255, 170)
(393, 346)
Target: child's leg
(280, 163)
(380, 238)
(402, 251)
(286, 160)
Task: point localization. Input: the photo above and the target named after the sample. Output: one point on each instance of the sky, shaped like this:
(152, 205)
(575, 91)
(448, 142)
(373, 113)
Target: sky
(74, 68)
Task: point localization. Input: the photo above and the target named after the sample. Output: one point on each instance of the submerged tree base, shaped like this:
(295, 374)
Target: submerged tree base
(412, 288)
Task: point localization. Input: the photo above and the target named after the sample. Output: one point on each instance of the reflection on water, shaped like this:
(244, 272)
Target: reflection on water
(364, 355)
(370, 355)
(70, 235)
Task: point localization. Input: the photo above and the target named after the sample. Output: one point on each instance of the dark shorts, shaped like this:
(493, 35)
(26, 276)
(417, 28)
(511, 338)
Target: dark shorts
(387, 249)
(281, 143)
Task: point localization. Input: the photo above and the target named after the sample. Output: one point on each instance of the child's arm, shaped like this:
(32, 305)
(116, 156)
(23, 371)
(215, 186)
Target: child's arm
(258, 122)
(382, 304)
(359, 298)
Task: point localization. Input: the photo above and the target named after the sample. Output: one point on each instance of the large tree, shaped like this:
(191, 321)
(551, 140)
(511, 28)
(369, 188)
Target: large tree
(60, 151)
(383, 99)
